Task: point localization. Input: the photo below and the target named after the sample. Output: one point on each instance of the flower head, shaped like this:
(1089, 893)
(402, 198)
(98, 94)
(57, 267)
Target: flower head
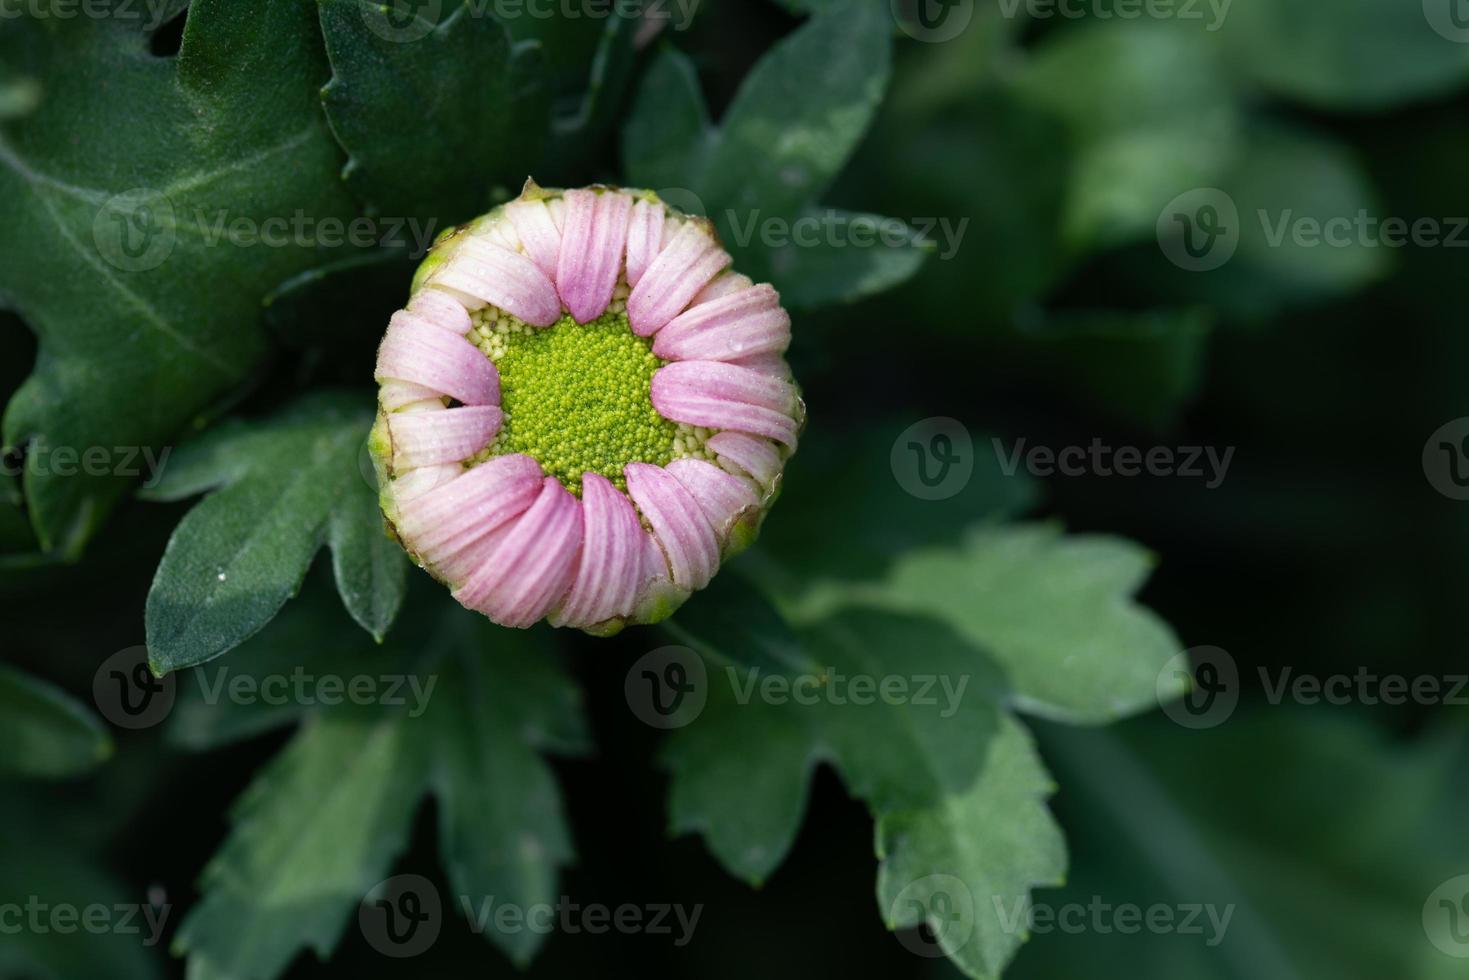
(583, 410)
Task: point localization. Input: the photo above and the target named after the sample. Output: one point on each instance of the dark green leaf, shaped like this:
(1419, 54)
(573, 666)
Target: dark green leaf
(795, 121)
(843, 513)
(895, 752)
(44, 732)
(858, 255)
(977, 855)
(1151, 114)
(732, 621)
(56, 872)
(459, 708)
(1056, 611)
(501, 829)
(147, 304)
(1368, 54)
(431, 114)
(280, 490)
(1359, 830)
(315, 831)
(668, 132)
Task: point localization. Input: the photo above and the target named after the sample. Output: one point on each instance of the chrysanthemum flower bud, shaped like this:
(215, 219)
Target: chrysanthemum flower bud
(583, 410)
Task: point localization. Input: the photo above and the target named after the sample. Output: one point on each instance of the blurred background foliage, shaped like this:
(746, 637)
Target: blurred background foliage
(1057, 319)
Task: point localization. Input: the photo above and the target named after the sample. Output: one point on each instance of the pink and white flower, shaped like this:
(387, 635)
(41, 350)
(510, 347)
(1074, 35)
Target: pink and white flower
(582, 410)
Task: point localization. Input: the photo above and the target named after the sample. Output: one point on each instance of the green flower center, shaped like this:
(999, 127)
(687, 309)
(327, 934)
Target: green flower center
(577, 396)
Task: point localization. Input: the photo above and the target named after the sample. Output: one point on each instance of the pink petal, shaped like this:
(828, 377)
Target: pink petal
(676, 518)
(644, 238)
(740, 324)
(441, 309)
(501, 278)
(445, 525)
(729, 282)
(722, 496)
(532, 564)
(657, 595)
(752, 454)
(773, 365)
(416, 483)
(393, 395)
(684, 399)
(724, 382)
(448, 436)
(610, 570)
(417, 351)
(592, 244)
(684, 267)
(538, 233)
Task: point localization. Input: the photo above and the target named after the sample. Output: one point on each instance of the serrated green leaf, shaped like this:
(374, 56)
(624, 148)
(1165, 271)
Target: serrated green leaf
(1056, 611)
(792, 126)
(746, 803)
(895, 748)
(146, 306)
(501, 829)
(952, 781)
(44, 732)
(433, 116)
(975, 855)
(464, 713)
(800, 112)
(280, 489)
(314, 832)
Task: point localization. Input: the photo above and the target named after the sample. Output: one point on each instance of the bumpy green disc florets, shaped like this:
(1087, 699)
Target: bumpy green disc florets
(576, 396)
